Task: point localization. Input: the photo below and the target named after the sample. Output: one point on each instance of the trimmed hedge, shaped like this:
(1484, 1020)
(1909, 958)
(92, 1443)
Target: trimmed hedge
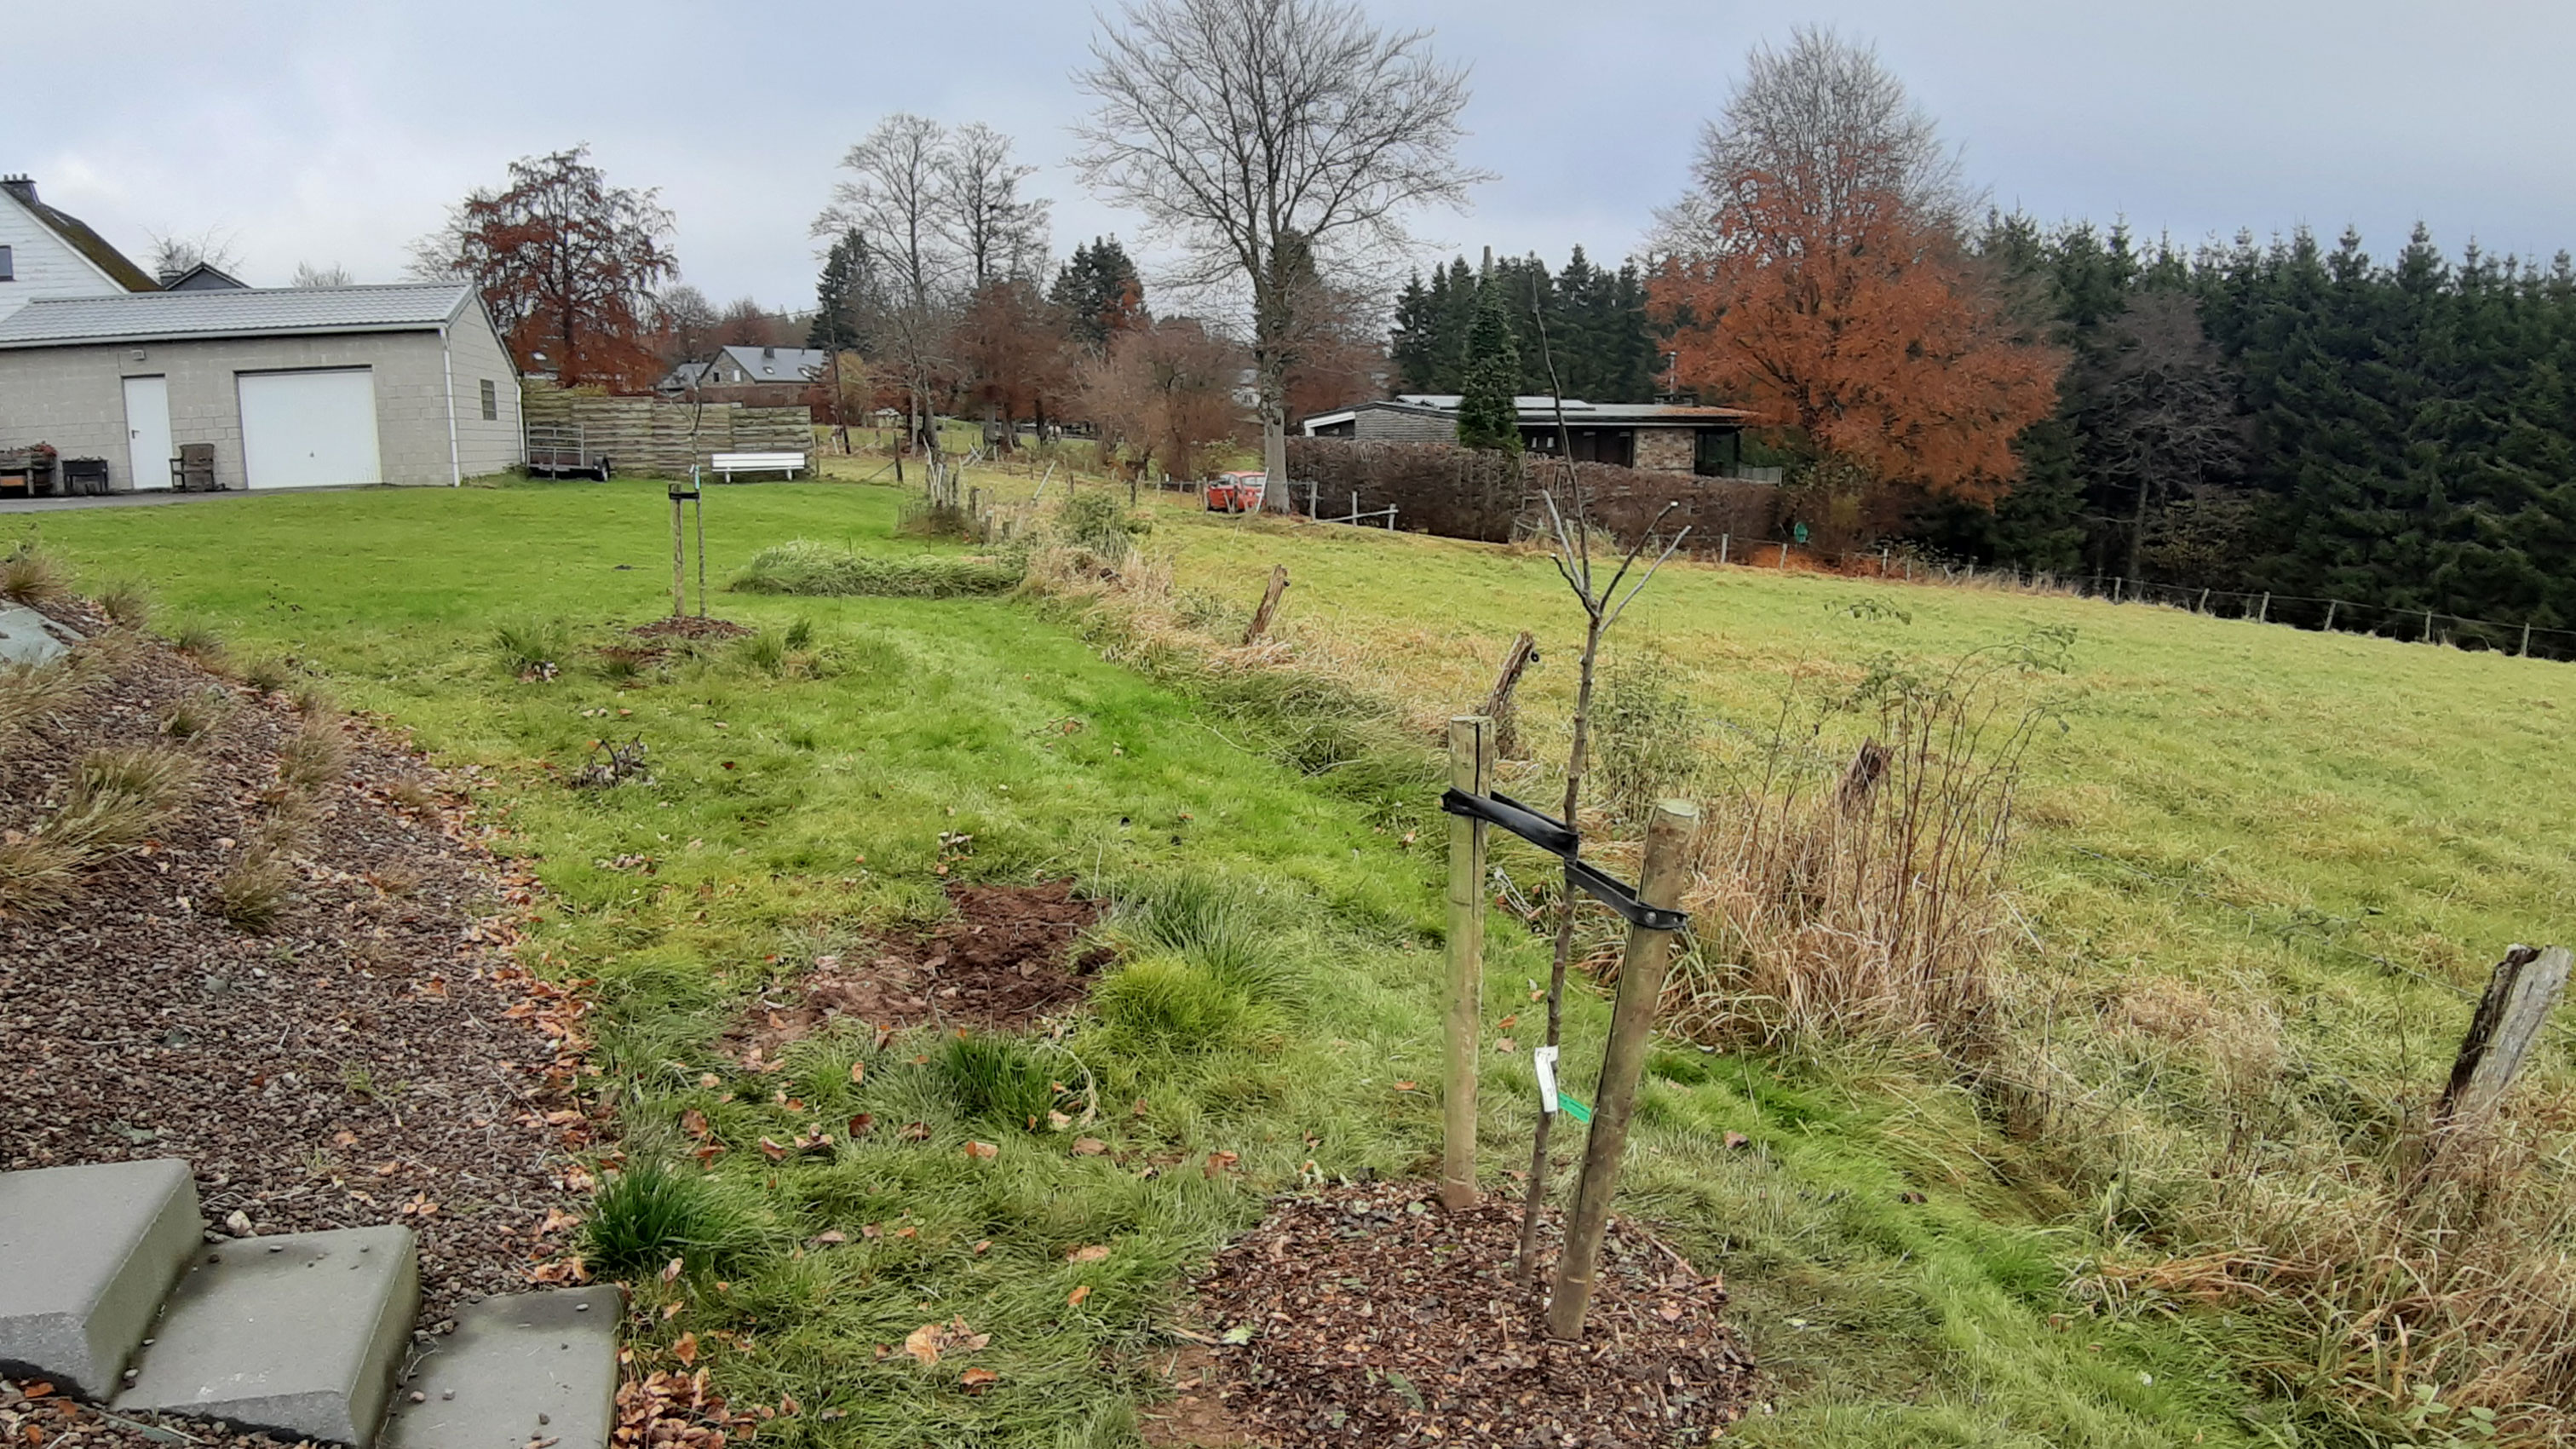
(1454, 492)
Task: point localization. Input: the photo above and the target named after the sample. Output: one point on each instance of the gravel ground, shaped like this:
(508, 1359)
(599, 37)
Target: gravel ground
(369, 1057)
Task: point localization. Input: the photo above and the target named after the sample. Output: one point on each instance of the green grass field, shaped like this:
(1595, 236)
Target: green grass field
(2335, 833)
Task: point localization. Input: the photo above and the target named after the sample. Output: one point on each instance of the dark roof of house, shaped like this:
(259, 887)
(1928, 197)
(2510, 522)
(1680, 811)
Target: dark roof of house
(230, 312)
(203, 277)
(76, 234)
(1540, 411)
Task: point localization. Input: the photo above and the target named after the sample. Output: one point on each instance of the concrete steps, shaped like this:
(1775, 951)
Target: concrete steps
(108, 1288)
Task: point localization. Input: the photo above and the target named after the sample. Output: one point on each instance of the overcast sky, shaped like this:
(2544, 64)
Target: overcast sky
(337, 132)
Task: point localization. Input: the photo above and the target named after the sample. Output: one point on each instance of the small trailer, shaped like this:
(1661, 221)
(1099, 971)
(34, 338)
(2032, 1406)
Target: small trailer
(562, 450)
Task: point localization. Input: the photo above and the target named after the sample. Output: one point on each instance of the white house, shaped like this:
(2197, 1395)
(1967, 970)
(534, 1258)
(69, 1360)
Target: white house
(46, 253)
(291, 387)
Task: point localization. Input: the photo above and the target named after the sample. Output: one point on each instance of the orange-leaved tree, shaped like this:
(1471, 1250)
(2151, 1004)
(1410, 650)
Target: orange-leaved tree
(1815, 275)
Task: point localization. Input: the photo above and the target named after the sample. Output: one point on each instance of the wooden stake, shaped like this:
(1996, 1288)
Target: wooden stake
(2526, 638)
(1498, 704)
(1269, 605)
(1632, 1030)
(2526, 984)
(2331, 606)
(2428, 626)
(679, 564)
(1723, 541)
(1784, 553)
(1471, 768)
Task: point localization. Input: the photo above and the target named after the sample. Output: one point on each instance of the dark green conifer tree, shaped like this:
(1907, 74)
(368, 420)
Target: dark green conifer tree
(1487, 415)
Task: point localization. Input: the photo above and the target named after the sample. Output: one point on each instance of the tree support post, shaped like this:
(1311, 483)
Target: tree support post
(1269, 604)
(1471, 769)
(679, 559)
(1632, 1028)
(1723, 540)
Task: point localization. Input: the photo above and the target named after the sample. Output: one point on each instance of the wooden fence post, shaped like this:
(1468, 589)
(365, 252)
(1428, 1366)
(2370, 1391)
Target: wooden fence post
(1471, 768)
(2263, 612)
(1632, 1030)
(1498, 705)
(2526, 984)
(1269, 605)
(2331, 606)
(1723, 540)
(1784, 553)
(2428, 626)
(2526, 638)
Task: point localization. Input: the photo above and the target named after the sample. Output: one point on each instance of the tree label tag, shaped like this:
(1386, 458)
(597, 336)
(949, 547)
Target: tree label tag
(1576, 1110)
(1544, 1058)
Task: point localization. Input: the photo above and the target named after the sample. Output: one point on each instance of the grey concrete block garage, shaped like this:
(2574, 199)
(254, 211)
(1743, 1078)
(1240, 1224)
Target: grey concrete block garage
(293, 387)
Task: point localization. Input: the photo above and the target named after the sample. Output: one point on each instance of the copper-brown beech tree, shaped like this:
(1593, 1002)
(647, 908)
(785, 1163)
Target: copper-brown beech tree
(1164, 390)
(1815, 274)
(1013, 352)
(567, 265)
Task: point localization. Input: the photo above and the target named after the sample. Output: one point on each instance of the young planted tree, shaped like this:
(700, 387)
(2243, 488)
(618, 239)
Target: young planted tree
(1816, 275)
(1164, 391)
(1276, 141)
(567, 265)
(1602, 603)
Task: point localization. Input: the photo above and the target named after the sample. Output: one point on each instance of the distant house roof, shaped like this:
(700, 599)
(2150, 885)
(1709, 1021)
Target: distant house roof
(242, 312)
(774, 364)
(1539, 411)
(77, 235)
(204, 277)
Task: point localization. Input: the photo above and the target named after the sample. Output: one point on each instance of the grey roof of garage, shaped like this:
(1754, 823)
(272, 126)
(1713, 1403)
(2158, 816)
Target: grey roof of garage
(248, 312)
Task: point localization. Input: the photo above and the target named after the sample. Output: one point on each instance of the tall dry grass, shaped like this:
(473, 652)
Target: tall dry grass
(1864, 893)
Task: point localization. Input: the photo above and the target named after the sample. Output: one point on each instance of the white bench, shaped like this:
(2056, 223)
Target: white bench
(729, 464)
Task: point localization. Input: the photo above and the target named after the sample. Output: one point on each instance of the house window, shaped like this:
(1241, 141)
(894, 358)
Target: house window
(8, 269)
(491, 401)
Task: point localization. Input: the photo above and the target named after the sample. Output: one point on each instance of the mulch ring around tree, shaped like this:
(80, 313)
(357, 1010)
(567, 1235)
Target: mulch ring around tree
(689, 626)
(1010, 955)
(369, 1054)
(1369, 1315)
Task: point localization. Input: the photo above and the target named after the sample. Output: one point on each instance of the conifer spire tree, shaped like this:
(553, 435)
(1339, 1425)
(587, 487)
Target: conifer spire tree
(1487, 418)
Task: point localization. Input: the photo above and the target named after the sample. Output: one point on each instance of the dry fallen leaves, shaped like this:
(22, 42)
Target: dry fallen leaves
(685, 1349)
(923, 1343)
(975, 1380)
(1092, 1254)
(1089, 1147)
(983, 1150)
(1074, 1299)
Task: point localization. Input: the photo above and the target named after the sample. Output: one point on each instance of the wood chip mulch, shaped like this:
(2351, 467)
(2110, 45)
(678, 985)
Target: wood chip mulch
(689, 626)
(370, 1057)
(1368, 1315)
(1010, 955)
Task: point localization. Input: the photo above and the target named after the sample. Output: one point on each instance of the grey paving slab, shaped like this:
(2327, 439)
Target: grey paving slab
(86, 1254)
(27, 637)
(299, 1334)
(521, 1370)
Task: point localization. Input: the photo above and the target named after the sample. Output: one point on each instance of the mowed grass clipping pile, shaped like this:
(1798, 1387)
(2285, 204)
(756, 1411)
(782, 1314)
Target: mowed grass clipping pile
(1278, 935)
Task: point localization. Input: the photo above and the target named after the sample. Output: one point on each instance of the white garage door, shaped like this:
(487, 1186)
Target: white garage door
(309, 429)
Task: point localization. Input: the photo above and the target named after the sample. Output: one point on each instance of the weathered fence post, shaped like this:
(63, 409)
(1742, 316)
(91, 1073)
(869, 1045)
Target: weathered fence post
(2526, 638)
(1269, 605)
(2263, 612)
(2428, 626)
(1784, 554)
(1632, 1028)
(2203, 606)
(2526, 984)
(1499, 706)
(1471, 769)
(1723, 540)
(2331, 606)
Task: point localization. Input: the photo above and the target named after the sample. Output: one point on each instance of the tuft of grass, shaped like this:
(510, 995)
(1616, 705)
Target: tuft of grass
(1217, 923)
(119, 795)
(255, 890)
(651, 1213)
(125, 604)
(764, 651)
(1169, 1004)
(1644, 743)
(998, 1078)
(192, 715)
(313, 702)
(313, 759)
(200, 644)
(532, 648)
(38, 875)
(411, 794)
(29, 692)
(267, 674)
(29, 575)
(800, 635)
(802, 567)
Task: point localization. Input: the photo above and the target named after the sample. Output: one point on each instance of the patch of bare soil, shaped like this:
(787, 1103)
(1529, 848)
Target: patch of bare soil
(1005, 959)
(689, 626)
(1368, 1315)
(369, 1056)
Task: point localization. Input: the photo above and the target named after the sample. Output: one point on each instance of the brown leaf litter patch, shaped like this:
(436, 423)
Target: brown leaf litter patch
(1006, 958)
(1369, 1315)
(688, 626)
(370, 1056)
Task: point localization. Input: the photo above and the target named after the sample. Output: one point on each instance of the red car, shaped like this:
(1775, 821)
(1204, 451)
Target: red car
(1236, 492)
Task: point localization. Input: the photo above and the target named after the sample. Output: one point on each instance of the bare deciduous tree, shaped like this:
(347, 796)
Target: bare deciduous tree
(174, 253)
(1000, 235)
(309, 275)
(1276, 140)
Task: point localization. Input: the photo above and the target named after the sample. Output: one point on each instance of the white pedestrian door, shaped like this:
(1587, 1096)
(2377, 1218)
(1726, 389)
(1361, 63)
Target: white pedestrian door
(309, 429)
(147, 430)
